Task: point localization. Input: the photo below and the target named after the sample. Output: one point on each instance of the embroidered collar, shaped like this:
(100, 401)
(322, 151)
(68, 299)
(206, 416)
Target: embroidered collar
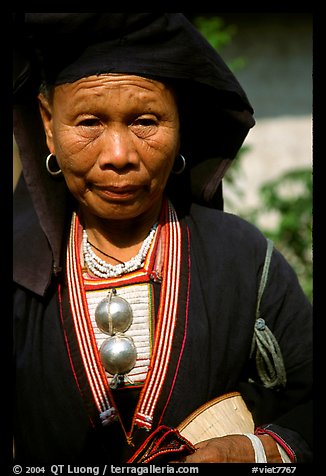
(83, 336)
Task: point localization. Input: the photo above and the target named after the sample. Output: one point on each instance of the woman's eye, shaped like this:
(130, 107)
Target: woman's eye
(145, 122)
(144, 126)
(89, 122)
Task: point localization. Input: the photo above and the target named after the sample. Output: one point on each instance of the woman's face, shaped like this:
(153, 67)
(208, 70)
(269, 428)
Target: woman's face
(115, 138)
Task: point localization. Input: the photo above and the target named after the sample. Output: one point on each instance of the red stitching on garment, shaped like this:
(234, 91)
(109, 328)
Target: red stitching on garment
(68, 350)
(280, 441)
(185, 328)
(165, 327)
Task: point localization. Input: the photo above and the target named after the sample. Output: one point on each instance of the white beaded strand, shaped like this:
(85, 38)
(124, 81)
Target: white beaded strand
(102, 269)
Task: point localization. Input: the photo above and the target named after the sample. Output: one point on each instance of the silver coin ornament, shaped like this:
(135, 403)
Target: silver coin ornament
(113, 316)
(118, 354)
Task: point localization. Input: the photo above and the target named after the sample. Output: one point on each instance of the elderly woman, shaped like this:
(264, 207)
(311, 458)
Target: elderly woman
(135, 294)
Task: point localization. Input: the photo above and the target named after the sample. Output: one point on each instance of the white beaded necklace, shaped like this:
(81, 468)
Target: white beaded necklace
(102, 269)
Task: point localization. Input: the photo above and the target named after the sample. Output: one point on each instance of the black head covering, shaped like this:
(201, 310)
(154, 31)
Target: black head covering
(63, 47)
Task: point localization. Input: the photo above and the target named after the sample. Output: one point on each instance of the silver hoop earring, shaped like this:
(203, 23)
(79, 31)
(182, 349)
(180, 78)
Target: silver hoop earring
(54, 173)
(182, 167)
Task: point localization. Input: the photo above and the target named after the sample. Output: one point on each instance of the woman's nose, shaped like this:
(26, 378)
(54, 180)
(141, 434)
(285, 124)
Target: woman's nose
(118, 150)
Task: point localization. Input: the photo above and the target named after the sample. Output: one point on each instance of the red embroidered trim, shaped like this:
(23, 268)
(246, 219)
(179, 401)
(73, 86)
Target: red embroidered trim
(165, 323)
(84, 332)
(163, 440)
(68, 348)
(184, 331)
(166, 320)
(280, 441)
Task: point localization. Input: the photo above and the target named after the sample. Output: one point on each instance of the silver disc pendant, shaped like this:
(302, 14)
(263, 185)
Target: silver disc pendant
(118, 354)
(113, 314)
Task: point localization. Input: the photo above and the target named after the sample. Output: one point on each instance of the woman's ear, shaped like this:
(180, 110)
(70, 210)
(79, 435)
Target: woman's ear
(46, 116)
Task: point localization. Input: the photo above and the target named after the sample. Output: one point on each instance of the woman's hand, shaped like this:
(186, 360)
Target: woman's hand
(232, 449)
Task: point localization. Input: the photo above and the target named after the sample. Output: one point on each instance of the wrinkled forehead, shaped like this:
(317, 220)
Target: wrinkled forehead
(115, 93)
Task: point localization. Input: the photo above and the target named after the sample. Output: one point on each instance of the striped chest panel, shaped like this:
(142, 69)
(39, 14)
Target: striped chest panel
(139, 296)
(157, 363)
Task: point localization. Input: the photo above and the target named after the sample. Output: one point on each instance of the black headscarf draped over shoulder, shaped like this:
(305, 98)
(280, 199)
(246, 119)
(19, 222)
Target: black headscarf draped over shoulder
(57, 48)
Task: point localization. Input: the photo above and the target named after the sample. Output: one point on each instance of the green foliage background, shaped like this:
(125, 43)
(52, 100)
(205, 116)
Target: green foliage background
(288, 199)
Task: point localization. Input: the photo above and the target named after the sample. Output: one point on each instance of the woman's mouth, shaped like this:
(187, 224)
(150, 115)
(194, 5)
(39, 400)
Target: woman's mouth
(118, 193)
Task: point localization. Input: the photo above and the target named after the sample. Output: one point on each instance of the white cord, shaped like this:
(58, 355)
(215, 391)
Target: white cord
(260, 455)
